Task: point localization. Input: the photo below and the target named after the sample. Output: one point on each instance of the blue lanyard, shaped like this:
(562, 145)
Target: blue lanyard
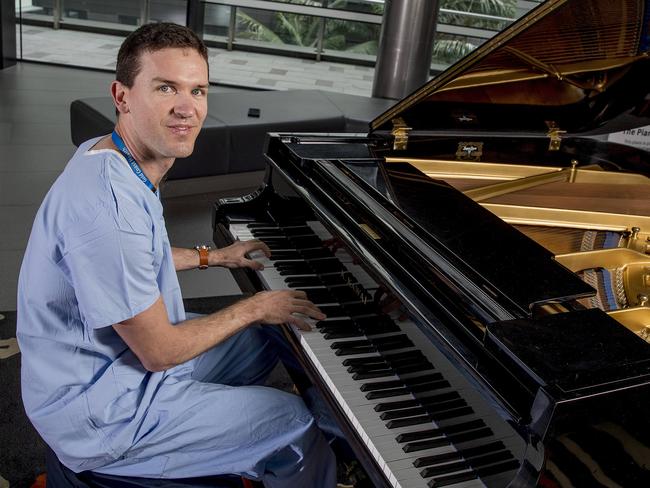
(131, 160)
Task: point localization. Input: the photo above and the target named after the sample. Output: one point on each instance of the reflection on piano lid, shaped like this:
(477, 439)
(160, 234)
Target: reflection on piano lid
(517, 246)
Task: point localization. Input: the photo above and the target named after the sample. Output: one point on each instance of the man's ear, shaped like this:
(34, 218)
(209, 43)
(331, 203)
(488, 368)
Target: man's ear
(119, 94)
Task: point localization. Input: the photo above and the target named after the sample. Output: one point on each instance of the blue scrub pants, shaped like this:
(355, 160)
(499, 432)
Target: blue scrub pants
(217, 420)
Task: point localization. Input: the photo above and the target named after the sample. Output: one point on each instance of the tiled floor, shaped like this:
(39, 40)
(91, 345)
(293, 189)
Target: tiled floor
(243, 69)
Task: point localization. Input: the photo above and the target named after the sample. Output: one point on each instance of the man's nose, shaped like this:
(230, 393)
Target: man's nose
(183, 106)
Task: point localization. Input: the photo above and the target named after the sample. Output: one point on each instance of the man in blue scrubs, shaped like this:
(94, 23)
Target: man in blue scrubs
(114, 377)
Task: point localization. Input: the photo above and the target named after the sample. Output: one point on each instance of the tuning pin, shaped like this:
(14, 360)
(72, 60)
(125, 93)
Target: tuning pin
(635, 232)
(574, 171)
(642, 300)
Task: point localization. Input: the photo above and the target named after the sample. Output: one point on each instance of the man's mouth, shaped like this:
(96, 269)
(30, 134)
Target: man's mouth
(180, 128)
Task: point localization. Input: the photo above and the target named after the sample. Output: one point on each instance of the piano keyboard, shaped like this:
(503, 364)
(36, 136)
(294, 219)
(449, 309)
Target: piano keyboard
(420, 418)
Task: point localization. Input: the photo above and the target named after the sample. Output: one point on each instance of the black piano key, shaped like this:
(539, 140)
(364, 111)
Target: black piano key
(453, 479)
(277, 240)
(260, 224)
(382, 373)
(447, 430)
(454, 439)
(318, 295)
(284, 255)
(387, 406)
(382, 385)
(337, 325)
(436, 385)
(431, 377)
(430, 417)
(302, 230)
(399, 423)
(332, 279)
(333, 311)
(443, 397)
(403, 413)
(391, 346)
(342, 334)
(306, 242)
(385, 367)
(445, 469)
(491, 458)
(380, 319)
(376, 324)
(486, 471)
(350, 344)
(377, 395)
(294, 269)
(355, 351)
(386, 385)
(396, 356)
(419, 410)
(302, 281)
(443, 406)
(342, 323)
(316, 252)
(390, 339)
(325, 265)
(412, 367)
(369, 367)
(399, 341)
(360, 308)
(276, 246)
(345, 293)
(361, 361)
(467, 453)
(401, 367)
(268, 234)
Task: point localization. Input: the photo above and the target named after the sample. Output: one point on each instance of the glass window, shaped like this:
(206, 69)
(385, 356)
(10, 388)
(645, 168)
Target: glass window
(356, 38)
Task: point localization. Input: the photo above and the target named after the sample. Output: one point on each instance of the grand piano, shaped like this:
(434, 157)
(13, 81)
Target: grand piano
(482, 256)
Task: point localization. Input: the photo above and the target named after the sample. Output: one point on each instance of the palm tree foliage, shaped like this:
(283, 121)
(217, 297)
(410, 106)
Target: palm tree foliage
(361, 38)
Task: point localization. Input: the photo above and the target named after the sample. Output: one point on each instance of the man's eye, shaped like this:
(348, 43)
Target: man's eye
(165, 89)
(198, 92)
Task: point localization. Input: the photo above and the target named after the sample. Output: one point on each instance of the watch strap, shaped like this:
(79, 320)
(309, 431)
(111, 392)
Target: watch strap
(204, 252)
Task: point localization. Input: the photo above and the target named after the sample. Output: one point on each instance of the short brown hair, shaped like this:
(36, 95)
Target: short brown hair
(153, 37)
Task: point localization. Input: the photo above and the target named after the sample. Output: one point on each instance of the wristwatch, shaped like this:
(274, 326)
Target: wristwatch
(203, 251)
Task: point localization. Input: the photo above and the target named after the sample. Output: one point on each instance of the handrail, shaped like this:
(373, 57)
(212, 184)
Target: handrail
(294, 8)
(336, 14)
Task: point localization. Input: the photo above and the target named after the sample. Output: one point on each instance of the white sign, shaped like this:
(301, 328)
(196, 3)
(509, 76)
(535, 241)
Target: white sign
(639, 137)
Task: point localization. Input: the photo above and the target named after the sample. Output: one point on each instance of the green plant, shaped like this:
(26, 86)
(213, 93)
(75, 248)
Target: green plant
(361, 38)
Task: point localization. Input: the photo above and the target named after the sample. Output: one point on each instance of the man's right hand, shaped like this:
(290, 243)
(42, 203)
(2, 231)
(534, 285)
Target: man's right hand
(281, 307)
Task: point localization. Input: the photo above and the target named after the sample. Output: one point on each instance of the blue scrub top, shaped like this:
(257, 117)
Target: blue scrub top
(98, 254)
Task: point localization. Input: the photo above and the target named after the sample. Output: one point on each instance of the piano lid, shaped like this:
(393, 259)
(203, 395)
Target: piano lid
(569, 65)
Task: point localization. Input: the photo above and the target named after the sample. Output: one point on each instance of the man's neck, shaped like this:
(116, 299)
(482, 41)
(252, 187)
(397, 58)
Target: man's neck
(153, 167)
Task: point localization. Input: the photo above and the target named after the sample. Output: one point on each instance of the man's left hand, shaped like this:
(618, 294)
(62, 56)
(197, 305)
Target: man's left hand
(234, 256)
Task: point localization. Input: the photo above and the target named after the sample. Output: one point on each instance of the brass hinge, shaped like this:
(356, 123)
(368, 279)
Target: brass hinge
(555, 135)
(400, 133)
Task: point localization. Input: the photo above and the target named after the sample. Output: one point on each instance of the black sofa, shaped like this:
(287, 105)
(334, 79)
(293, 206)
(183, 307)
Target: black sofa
(233, 135)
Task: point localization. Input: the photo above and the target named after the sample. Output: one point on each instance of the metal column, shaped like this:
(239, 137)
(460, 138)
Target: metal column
(405, 46)
(196, 16)
(7, 34)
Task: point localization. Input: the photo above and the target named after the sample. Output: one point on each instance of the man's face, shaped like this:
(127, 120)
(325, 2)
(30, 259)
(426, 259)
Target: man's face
(167, 103)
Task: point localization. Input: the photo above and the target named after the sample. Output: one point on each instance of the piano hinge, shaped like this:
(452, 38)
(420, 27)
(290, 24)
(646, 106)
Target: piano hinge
(555, 135)
(400, 133)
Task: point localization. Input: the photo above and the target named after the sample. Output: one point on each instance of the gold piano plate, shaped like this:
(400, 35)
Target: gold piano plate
(633, 268)
(636, 319)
